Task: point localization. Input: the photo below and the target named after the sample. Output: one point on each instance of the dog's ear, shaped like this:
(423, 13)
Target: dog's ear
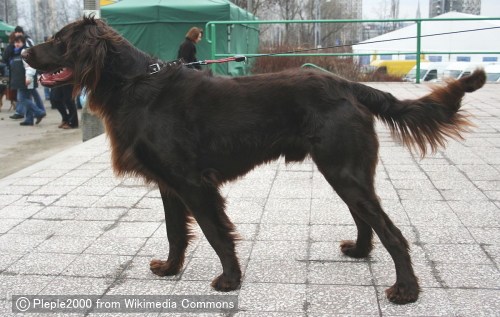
(92, 52)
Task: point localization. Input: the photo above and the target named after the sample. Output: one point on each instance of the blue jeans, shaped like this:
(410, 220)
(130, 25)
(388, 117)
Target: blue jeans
(20, 109)
(24, 102)
(37, 99)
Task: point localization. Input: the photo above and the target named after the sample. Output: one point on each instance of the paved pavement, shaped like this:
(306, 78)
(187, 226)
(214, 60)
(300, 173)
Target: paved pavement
(69, 226)
(21, 147)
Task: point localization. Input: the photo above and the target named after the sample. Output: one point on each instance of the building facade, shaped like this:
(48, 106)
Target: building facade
(438, 7)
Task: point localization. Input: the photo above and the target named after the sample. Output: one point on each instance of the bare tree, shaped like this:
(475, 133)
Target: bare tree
(279, 34)
(42, 18)
(388, 11)
(333, 33)
(329, 33)
(307, 34)
(252, 6)
(8, 11)
(289, 10)
(24, 18)
(68, 11)
(395, 13)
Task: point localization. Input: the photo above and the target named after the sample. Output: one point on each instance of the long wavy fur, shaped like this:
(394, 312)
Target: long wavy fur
(88, 41)
(427, 121)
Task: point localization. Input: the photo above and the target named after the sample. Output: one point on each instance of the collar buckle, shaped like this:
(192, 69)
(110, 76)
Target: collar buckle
(154, 68)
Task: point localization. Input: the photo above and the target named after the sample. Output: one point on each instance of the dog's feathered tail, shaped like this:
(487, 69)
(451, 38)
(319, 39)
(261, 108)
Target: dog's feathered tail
(426, 121)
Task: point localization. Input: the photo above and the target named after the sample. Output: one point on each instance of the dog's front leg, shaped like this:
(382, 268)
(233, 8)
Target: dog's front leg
(207, 207)
(177, 221)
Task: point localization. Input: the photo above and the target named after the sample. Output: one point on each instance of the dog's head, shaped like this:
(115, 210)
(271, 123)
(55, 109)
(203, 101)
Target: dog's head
(74, 55)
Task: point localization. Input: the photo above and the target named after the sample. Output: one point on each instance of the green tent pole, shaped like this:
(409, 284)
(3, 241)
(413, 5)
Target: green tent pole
(213, 48)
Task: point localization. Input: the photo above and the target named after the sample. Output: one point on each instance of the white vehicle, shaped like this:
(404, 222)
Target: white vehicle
(429, 71)
(493, 72)
(458, 70)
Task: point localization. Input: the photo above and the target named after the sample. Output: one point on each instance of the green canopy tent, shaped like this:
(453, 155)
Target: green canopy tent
(5, 30)
(158, 27)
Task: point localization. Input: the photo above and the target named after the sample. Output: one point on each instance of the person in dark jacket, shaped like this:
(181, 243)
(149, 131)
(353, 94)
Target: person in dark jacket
(9, 50)
(11, 94)
(7, 55)
(22, 78)
(187, 50)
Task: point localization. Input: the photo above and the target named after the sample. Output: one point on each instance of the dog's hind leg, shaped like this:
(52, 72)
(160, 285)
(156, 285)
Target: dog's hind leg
(207, 207)
(347, 157)
(177, 221)
(363, 245)
(367, 211)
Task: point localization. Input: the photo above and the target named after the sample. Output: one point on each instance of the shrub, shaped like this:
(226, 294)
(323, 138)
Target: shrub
(342, 66)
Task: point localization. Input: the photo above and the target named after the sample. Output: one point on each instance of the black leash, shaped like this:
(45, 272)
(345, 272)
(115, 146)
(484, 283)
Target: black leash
(156, 67)
(236, 58)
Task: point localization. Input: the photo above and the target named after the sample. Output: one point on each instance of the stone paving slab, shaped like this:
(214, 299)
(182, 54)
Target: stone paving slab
(69, 226)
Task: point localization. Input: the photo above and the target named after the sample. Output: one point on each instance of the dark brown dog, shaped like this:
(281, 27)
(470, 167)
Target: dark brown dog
(189, 132)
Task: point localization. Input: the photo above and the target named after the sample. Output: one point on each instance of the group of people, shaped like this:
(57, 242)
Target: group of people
(23, 81)
(22, 78)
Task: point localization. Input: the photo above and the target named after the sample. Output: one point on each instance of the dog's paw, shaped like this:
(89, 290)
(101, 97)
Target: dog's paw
(400, 293)
(349, 248)
(223, 283)
(164, 268)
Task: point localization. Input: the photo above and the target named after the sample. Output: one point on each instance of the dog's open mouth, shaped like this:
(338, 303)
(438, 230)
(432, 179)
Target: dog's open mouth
(56, 78)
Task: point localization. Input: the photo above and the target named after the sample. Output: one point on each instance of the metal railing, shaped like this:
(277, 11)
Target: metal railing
(211, 38)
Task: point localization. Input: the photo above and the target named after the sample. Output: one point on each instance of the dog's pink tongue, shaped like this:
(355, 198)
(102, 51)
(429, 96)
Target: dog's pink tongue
(61, 76)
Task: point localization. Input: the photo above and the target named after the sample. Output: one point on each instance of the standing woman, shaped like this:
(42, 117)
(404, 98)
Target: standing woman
(187, 50)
